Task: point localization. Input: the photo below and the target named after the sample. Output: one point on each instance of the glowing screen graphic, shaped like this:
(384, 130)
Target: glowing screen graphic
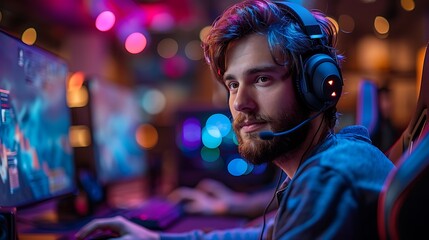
(116, 117)
(36, 156)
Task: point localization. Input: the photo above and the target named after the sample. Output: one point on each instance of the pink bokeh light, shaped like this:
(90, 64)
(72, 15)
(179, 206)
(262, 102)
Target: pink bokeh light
(135, 43)
(105, 21)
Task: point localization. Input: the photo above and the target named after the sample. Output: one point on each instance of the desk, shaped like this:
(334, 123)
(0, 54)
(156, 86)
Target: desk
(188, 223)
(28, 231)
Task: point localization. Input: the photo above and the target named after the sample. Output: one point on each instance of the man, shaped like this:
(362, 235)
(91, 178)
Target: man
(263, 52)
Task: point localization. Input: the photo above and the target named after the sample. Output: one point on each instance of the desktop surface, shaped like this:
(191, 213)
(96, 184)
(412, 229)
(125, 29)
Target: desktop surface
(45, 226)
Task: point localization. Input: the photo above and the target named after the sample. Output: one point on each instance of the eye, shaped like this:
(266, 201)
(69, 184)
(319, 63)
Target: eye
(231, 85)
(263, 80)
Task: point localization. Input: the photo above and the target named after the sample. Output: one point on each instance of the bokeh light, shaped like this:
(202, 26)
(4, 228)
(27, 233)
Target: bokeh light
(105, 21)
(381, 25)
(211, 137)
(154, 101)
(408, 5)
(80, 136)
(220, 122)
(29, 36)
(204, 32)
(77, 93)
(191, 134)
(135, 43)
(210, 154)
(237, 167)
(167, 48)
(147, 136)
(76, 81)
(193, 50)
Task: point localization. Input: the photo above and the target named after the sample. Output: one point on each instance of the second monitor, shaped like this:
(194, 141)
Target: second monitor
(112, 117)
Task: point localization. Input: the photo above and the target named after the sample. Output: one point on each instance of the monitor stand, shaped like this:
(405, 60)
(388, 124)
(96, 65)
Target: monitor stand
(8, 224)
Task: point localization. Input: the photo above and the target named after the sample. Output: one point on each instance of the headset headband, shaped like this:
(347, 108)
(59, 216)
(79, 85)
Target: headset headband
(305, 18)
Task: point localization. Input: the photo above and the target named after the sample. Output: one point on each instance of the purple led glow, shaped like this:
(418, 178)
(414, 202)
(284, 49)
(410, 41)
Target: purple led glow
(191, 134)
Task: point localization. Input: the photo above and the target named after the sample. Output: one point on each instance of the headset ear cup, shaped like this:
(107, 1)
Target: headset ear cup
(321, 82)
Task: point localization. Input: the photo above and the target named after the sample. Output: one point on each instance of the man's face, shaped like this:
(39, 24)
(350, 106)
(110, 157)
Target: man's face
(262, 98)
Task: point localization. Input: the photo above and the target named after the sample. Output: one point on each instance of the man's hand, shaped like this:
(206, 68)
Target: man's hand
(209, 197)
(119, 227)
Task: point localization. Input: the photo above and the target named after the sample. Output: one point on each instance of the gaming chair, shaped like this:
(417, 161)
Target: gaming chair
(403, 210)
(418, 120)
(404, 202)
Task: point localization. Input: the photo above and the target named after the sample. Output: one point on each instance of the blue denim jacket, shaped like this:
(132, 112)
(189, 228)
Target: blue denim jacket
(333, 195)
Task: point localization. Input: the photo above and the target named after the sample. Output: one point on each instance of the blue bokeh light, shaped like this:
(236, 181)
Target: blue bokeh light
(211, 137)
(237, 167)
(221, 122)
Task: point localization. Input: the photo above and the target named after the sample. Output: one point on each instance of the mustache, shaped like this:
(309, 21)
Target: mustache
(242, 118)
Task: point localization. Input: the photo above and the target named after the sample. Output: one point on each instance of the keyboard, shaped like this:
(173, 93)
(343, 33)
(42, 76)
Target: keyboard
(155, 214)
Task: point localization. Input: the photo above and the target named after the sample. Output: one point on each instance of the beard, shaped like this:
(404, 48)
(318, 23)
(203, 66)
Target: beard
(258, 151)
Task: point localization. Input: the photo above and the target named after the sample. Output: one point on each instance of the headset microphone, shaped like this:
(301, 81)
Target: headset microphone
(267, 135)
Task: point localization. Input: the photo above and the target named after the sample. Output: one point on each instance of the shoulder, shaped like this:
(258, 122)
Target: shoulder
(351, 147)
(351, 156)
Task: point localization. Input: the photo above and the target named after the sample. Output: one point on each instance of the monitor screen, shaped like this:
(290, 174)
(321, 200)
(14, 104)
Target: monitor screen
(116, 118)
(209, 149)
(36, 156)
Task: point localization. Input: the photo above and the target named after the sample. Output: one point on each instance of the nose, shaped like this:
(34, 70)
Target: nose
(244, 100)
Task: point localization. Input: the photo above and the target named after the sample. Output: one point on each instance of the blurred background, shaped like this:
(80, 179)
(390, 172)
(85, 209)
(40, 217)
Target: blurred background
(150, 49)
(154, 44)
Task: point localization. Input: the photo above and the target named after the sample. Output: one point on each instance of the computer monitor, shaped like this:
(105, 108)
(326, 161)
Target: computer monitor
(209, 149)
(36, 156)
(116, 118)
(112, 115)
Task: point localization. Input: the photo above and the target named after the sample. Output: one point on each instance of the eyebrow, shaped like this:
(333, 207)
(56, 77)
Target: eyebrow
(255, 70)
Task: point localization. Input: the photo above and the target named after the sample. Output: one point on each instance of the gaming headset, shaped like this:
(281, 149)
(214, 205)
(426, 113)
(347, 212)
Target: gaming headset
(320, 82)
